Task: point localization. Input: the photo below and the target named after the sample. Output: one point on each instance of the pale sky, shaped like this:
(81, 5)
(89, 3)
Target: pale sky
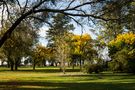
(78, 31)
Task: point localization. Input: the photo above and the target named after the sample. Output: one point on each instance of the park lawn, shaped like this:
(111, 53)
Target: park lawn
(53, 79)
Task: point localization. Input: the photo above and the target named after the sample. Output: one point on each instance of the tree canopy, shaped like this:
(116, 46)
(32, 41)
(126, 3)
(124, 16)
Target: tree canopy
(43, 10)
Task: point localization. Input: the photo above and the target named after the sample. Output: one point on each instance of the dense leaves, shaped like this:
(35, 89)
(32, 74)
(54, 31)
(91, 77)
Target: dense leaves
(19, 46)
(122, 52)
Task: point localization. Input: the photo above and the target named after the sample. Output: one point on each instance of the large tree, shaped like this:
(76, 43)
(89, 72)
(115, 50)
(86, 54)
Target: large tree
(19, 45)
(81, 47)
(43, 9)
(58, 36)
(122, 52)
(39, 53)
(122, 9)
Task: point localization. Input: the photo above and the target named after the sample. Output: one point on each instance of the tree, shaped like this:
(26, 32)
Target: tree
(19, 46)
(80, 46)
(43, 9)
(124, 10)
(58, 35)
(62, 52)
(60, 25)
(122, 51)
(39, 54)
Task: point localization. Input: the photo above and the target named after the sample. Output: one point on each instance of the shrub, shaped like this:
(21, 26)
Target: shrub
(90, 68)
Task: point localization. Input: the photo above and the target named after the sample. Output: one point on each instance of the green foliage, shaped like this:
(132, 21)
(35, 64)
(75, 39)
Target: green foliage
(19, 44)
(119, 61)
(122, 53)
(58, 35)
(60, 26)
(93, 68)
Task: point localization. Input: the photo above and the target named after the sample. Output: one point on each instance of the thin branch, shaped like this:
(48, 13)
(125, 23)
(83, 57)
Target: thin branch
(25, 6)
(70, 4)
(42, 20)
(19, 4)
(74, 14)
(39, 4)
(76, 21)
(2, 16)
(84, 4)
(8, 12)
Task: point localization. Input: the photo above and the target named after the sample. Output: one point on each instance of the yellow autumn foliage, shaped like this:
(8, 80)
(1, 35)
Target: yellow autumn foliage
(80, 41)
(126, 38)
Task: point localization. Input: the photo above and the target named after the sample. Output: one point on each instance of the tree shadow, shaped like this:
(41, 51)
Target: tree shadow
(42, 70)
(37, 85)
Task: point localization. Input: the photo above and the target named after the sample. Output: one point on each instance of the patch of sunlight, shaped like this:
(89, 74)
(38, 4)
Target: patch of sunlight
(107, 81)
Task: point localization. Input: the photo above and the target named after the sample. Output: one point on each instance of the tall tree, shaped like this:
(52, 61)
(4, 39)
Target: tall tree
(60, 26)
(80, 47)
(19, 45)
(58, 36)
(43, 9)
(39, 54)
(62, 52)
(124, 10)
(122, 52)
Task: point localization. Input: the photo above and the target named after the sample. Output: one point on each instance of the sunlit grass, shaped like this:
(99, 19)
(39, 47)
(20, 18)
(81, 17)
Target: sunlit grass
(53, 79)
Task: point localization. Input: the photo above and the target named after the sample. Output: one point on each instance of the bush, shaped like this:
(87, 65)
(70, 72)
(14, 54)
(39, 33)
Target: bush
(122, 62)
(90, 68)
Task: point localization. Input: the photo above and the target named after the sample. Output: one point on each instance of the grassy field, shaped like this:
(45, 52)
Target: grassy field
(53, 79)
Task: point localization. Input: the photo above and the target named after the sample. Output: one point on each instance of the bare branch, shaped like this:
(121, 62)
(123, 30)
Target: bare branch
(2, 16)
(84, 4)
(19, 4)
(70, 4)
(73, 14)
(42, 20)
(39, 4)
(76, 21)
(25, 6)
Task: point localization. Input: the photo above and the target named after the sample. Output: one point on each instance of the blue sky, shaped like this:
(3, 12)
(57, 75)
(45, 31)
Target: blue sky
(78, 31)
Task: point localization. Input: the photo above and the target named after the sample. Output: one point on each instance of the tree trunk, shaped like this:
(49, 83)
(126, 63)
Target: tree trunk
(34, 65)
(63, 66)
(56, 64)
(80, 63)
(73, 66)
(44, 62)
(12, 66)
(16, 65)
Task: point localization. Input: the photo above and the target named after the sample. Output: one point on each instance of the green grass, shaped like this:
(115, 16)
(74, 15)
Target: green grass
(53, 79)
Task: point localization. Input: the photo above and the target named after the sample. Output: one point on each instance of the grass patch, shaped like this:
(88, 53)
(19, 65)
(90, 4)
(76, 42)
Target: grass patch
(52, 79)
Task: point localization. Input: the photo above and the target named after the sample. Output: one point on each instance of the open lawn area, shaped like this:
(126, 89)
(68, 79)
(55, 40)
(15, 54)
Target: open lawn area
(53, 79)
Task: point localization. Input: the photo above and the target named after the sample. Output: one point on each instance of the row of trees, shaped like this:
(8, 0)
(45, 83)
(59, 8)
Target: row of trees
(63, 46)
(19, 19)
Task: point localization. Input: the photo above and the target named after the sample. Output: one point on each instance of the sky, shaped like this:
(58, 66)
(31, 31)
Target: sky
(78, 30)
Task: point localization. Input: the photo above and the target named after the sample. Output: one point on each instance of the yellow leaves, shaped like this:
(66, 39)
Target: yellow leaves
(81, 39)
(126, 38)
(40, 52)
(84, 37)
(79, 42)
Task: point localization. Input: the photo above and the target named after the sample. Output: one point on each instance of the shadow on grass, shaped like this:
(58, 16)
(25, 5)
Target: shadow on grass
(16, 85)
(44, 70)
(48, 70)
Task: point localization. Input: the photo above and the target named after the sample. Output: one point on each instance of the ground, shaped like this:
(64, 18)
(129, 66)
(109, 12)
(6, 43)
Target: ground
(53, 79)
